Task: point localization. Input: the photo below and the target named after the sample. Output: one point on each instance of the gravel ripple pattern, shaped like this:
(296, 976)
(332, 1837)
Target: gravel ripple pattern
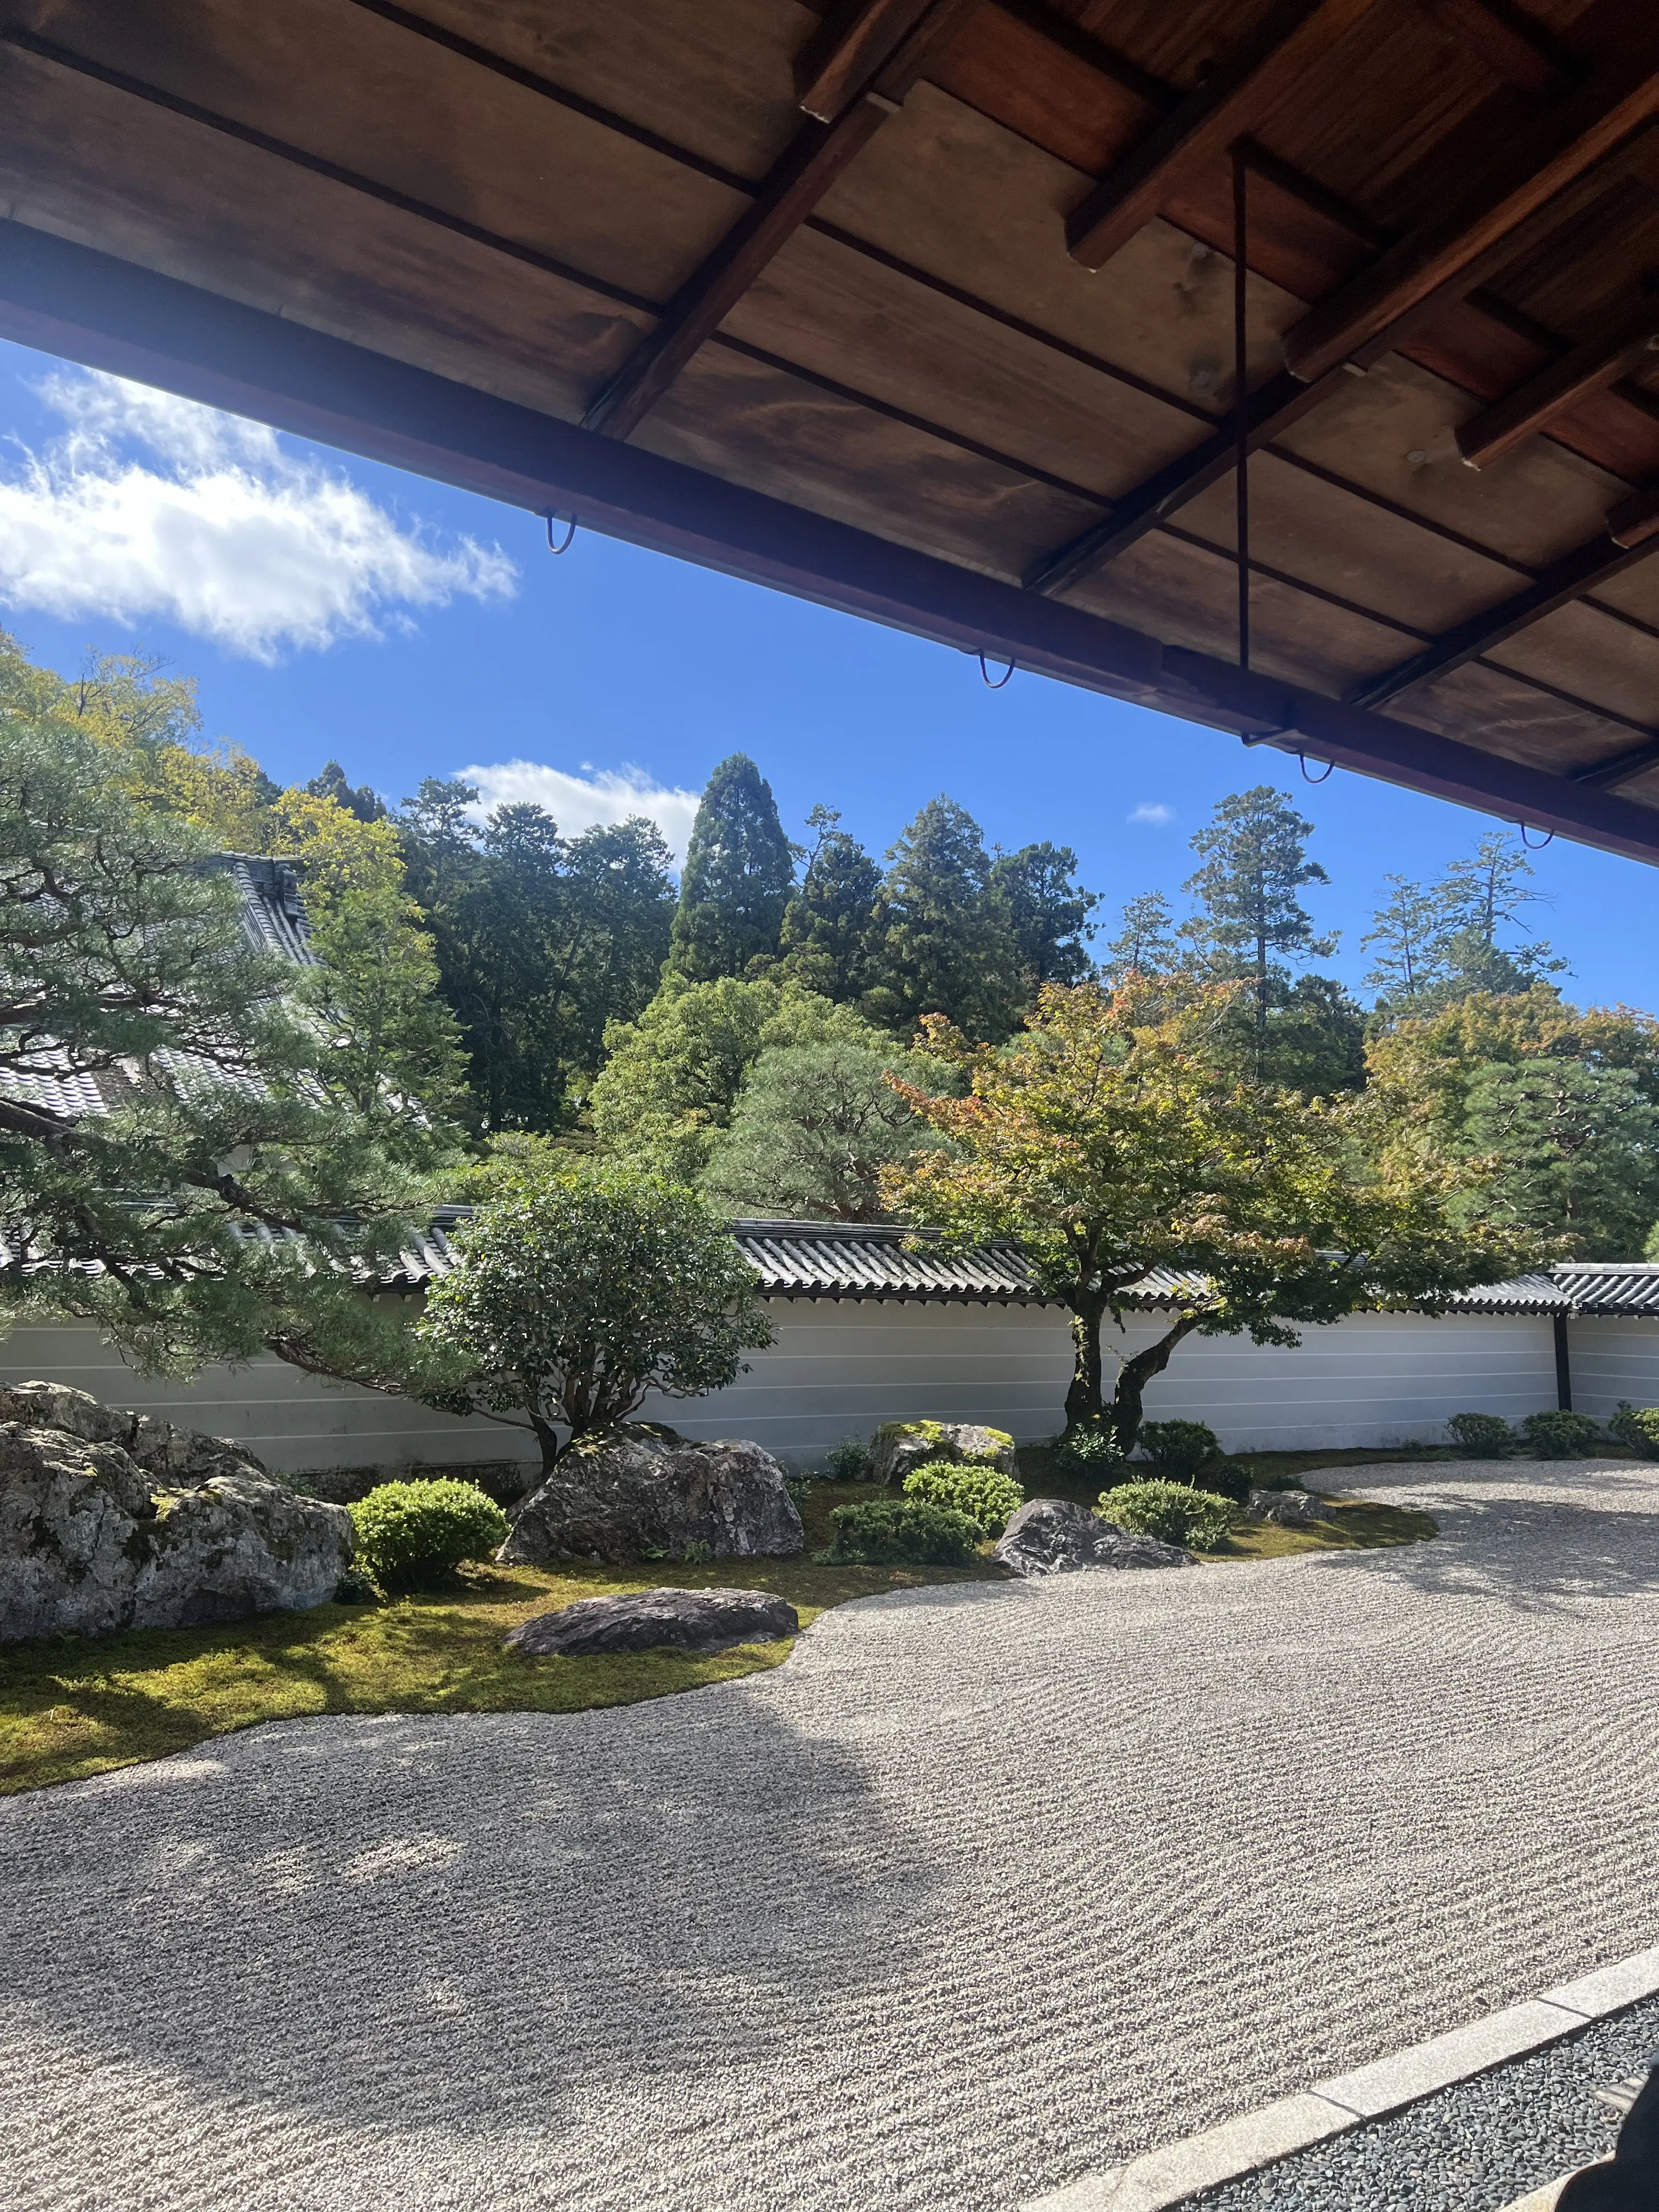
(1474, 2148)
(990, 1885)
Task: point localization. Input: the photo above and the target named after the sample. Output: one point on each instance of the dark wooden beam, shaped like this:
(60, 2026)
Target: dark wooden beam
(1477, 231)
(847, 48)
(1291, 38)
(1520, 50)
(1635, 520)
(805, 172)
(1617, 342)
(1623, 767)
(71, 300)
(1569, 578)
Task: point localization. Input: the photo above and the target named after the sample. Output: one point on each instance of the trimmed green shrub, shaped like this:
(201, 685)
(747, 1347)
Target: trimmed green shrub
(1636, 1427)
(412, 1534)
(848, 1460)
(987, 1497)
(1175, 1511)
(1082, 1452)
(1178, 1449)
(1561, 1435)
(1230, 1480)
(882, 1532)
(1480, 1435)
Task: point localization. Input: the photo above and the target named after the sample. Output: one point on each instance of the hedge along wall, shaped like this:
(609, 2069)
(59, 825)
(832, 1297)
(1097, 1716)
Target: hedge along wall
(841, 1368)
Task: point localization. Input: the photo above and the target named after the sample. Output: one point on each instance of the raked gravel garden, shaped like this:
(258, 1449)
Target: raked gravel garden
(989, 1885)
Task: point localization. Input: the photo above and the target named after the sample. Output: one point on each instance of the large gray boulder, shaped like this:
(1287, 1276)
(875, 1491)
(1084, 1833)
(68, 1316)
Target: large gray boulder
(111, 1520)
(640, 1620)
(1056, 1536)
(642, 1490)
(1291, 1509)
(900, 1447)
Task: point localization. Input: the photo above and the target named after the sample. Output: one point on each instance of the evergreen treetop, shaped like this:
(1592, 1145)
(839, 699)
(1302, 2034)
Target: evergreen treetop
(947, 943)
(739, 870)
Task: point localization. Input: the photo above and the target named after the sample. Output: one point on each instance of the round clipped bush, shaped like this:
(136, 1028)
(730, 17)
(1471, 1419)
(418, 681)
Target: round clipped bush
(848, 1460)
(1636, 1427)
(1086, 1451)
(412, 1534)
(883, 1532)
(1176, 1512)
(1561, 1435)
(1228, 1480)
(1480, 1435)
(1178, 1449)
(987, 1497)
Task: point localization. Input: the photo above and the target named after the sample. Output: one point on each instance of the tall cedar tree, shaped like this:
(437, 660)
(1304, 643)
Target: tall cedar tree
(739, 870)
(1436, 943)
(829, 939)
(1048, 911)
(1146, 941)
(1110, 1140)
(1255, 861)
(947, 939)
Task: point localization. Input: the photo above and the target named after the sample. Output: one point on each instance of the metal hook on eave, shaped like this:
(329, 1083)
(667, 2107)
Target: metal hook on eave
(1330, 767)
(1002, 681)
(570, 532)
(1548, 838)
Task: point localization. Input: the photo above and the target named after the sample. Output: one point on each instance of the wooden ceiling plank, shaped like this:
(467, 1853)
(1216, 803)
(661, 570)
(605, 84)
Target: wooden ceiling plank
(1520, 50)
(1635, 520)
(87, 306)
(804, 174)
(1489, 224)
(1569, 578)
(1292, 39)
(1623, 767)
(1618, 342)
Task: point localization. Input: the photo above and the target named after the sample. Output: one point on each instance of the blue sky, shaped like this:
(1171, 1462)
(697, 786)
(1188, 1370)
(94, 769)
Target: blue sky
(330, 607)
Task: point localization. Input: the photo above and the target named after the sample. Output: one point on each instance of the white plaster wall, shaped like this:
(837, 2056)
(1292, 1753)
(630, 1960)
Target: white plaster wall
(1613, 1358)
(296, 1423)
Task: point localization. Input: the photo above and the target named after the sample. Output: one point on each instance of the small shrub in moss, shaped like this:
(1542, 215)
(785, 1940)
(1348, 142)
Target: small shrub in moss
(1480, 1435)
(1636, 1427)
(1178, 1449)
(1227, 1479)
(1174, 1511)
(1561, 1435)
(885, 1532)
(1088, 1448)
(987, 1497)
(848, 1460)
(413, 1534)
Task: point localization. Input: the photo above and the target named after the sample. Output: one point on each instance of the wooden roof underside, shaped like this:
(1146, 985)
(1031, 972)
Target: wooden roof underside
(924, 309)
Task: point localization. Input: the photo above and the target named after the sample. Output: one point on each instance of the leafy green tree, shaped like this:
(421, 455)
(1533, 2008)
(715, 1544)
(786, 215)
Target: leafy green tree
(1112, 1138)
(1250, 922)
(1049, 913)
(947, 936)
(739, 870)
(814, 1129)
(205, 1148)
(1315, 1039)
(1145, 942)
(579, 1293)
(674, 1076)
(365, 802)
(829, 939)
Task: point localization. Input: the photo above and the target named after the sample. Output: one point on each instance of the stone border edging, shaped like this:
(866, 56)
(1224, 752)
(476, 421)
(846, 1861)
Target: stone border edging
(1161, 2179)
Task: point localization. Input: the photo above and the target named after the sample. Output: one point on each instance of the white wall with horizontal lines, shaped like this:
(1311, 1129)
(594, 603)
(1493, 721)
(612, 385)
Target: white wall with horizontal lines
(841, 1368)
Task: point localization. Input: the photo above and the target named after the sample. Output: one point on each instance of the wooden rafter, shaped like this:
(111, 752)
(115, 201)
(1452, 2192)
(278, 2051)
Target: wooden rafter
(1482, 228)
(1576, 574)
(71, 300)
(1291, 39)
(805, 172)
(1507, 39)
(1620, 339)
(1623, 767)
(847, 48)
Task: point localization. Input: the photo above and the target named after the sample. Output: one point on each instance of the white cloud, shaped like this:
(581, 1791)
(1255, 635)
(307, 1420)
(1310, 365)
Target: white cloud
(152, 506)
(576, 803)
(1153, 811)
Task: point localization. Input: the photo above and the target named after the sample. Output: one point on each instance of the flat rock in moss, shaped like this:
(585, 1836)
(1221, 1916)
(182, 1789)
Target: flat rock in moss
(1290, 1508)
(642, 1620)
(641, 1490)
(1056, 1536)
(110, 1519)
(901, 1447)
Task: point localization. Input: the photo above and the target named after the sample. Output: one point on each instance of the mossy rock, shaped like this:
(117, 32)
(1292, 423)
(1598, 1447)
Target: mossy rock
(899, 1447)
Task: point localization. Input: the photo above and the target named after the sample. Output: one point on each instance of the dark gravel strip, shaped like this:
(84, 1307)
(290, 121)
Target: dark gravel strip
(1472, 2148)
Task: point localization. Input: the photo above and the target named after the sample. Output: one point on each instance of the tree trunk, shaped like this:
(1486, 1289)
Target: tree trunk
(1134, 1377)
(548, 1437)
(1083, 1402)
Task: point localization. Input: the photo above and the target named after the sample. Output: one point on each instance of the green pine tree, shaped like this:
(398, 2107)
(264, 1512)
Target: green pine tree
(1255, 861)
(739, 870)
(829, 928)
(947, 938)
(1049, 912)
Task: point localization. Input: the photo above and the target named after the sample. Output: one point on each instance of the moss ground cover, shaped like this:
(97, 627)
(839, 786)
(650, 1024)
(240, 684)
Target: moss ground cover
(70, 1706)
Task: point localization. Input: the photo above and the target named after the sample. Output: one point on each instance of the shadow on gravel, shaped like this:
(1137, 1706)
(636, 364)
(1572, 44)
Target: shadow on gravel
(1536, 1554)
(403, 1923)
